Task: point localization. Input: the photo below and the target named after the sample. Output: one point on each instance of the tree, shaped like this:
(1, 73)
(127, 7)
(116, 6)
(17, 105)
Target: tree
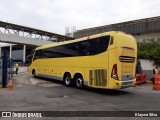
(149, 49)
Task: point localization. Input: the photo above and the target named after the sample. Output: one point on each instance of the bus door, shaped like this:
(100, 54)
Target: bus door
(127, 60)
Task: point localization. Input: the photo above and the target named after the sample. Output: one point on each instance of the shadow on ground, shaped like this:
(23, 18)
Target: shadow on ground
(110, 92)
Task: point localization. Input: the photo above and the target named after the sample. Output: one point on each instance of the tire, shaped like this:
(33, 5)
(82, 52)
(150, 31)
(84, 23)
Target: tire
(67, 80)
(34, 74)
(79, 81)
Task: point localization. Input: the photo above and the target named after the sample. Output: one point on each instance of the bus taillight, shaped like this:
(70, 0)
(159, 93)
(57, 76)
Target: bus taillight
(114, 74)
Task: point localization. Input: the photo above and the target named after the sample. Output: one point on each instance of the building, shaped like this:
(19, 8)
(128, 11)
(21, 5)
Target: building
(140, 29)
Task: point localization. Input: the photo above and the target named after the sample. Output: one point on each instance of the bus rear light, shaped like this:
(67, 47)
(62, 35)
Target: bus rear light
(114, 74)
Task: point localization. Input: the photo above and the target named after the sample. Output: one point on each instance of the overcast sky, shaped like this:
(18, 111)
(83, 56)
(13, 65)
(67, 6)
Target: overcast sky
(55, 15)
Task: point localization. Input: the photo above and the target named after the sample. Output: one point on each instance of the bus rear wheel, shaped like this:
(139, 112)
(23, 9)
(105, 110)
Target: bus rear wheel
(67, 80)
(79, 81)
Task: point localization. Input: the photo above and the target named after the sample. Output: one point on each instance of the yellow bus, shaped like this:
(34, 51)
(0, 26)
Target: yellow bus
(106, 60)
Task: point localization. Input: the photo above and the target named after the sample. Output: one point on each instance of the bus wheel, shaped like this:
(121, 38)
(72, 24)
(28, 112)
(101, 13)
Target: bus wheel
(67, 80)
(79, 81)
(34, 73)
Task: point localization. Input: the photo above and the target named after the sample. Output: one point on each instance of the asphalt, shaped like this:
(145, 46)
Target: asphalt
(40, 94)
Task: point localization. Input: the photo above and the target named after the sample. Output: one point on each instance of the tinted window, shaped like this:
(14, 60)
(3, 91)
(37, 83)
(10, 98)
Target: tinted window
(37, 54)
(99, 45)
(69, 50)
(83, 48)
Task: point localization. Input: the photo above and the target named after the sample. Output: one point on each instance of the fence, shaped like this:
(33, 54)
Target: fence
(6, 71)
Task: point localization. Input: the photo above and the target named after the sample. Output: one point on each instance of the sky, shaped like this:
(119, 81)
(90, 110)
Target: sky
(55, 15)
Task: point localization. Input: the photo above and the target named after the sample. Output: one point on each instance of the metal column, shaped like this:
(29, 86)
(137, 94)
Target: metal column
(4, 69)
(24, 54)
(10, 52)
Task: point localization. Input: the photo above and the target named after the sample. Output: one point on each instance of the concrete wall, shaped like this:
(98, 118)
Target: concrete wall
(141, 37)
(147, 67)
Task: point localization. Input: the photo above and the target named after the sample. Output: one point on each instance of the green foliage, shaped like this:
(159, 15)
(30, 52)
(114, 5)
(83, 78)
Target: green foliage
(150, 49)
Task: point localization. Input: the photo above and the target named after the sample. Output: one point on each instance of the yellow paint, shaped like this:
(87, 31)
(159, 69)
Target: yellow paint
(128, 52)
(83, 64)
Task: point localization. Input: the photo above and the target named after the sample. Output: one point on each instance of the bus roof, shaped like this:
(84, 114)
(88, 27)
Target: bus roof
(75, 40)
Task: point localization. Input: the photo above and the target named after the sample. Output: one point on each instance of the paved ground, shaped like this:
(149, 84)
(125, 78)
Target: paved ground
(30, 94)
(22, 69)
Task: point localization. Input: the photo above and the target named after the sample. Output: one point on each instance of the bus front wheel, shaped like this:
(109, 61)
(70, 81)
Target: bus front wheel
(34, 73)
(67, 80)
(79, 81)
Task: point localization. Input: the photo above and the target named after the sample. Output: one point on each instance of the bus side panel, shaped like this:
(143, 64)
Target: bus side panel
(96, 71)
(54, 71)
(50, 68)
(35, 66)
(90, 63)
(87, 77)
(112, 60)
(46, 67)
(66, 66)
(77, 69)
(66, 69)
(78, 65)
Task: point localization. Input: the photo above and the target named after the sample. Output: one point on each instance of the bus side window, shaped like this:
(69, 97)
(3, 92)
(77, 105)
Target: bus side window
(72, 49)
(103, 43)
(99, 45)
(84, 48)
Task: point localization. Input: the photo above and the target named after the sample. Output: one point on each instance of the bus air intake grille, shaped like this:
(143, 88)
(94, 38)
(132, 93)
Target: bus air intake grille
(98, 77)
(128, 59)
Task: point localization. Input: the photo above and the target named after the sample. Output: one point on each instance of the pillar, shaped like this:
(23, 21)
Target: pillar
(10, 52)
(24, 54)
(4, 67)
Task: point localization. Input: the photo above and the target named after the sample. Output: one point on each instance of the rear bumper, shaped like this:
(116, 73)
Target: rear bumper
(126, 84)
